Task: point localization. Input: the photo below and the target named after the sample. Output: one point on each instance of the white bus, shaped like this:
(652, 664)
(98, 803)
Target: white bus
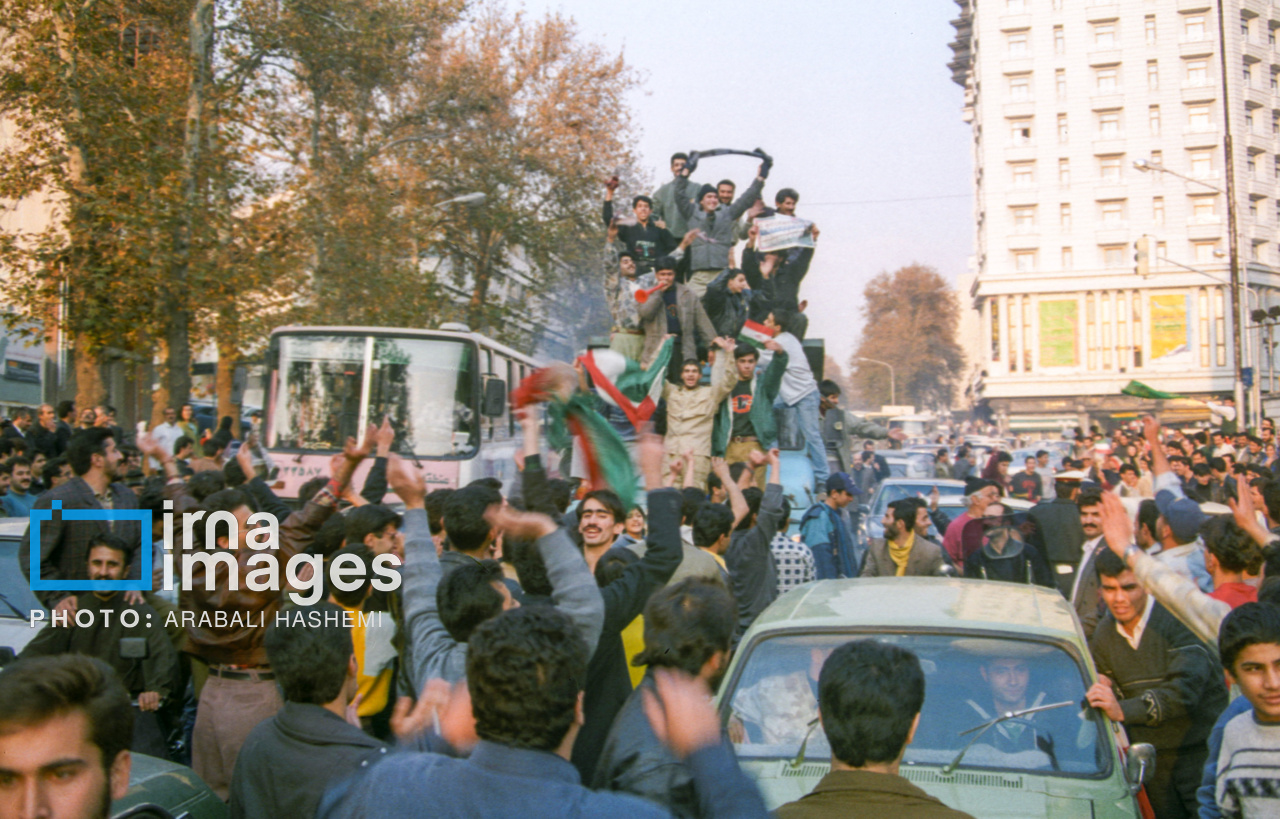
(444, 390)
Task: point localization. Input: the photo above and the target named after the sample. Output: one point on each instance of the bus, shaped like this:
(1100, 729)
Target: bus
(444, 390)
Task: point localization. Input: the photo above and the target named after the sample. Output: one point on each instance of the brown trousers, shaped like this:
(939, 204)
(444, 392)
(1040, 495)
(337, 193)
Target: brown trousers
(228, 711)
(739, 452)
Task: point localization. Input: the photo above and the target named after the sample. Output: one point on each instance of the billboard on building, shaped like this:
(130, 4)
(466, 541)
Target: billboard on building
(1059, 325)
(1170, 327)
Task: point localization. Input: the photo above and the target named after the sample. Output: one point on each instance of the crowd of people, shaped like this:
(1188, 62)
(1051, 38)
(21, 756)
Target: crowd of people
(551, 649)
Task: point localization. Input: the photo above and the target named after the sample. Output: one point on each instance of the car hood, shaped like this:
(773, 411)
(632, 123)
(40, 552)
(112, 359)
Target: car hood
(978, 793)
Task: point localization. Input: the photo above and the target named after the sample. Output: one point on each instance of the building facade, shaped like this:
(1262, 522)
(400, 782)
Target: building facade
(1075, 106)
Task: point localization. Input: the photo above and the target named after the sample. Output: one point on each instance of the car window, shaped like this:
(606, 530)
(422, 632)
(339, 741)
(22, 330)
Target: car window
(891, 492)
(968, 681)
(14, 587)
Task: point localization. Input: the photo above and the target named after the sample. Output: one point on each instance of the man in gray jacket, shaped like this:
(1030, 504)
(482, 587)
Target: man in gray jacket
(674, 309)
(434, 652)
(710, 252)
(666, 209)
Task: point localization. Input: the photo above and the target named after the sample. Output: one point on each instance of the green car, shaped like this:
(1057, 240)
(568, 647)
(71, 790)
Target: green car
(1004, 730)
(164, 790)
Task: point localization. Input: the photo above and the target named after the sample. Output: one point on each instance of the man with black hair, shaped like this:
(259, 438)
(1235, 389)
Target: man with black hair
(621, 284)
(1244, 749)
(471, 536)
(839, 428)
(905, 552)
(65, 729)
(471, 594)
(674, 310)
(1230, 554)
(744, 422)
(1084, 592)
(600, 521)
(870, 695)
(644, 239)
(141, 654)
(377, 527)
(712, 526)
(288, 760)
(714, 222)
(525, 675)
(372, 638)
(1202, 488)
(56, 472)
(724, 191)
(1027, 484)
(1163, 684)
(729, 302)
(687, 626)
(666, 199)
(19, 500)
(753, 577)
(64, 544)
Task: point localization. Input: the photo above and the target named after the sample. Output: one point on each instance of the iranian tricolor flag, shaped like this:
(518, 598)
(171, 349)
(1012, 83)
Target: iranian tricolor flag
(755, 334)
(621, 382)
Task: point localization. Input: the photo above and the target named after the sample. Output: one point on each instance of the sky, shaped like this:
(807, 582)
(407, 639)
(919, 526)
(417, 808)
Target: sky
(852, 98)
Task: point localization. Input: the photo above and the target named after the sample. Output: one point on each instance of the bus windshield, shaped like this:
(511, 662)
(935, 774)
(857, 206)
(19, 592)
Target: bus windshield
(425, 385)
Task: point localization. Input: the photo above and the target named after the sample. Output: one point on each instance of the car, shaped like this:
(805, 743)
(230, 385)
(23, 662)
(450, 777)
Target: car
(892, 489)
(1060, 762)
(908, 464)
(158, 789)
(16, 600)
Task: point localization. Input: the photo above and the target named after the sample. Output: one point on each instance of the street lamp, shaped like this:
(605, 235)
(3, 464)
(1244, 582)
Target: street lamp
(1236, 281)
(893, 391)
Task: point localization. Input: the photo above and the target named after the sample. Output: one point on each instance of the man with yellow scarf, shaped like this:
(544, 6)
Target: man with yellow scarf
(906, 550)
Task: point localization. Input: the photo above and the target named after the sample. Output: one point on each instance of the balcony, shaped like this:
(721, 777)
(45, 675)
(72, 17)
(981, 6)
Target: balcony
(1197, 48)
(1024, 241)
(1104, 56)
(1195, 5)
(1205, 91)
(1110, 145)
(1202, 230)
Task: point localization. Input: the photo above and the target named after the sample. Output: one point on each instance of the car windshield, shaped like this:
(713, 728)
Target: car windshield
(908, 465)
(891, 492)
(968, 681)
(13, 586)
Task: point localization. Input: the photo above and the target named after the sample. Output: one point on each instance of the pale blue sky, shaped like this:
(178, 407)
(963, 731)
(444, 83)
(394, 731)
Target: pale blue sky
(852, 98)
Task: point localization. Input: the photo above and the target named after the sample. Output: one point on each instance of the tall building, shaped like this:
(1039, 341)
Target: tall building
(1067, 98)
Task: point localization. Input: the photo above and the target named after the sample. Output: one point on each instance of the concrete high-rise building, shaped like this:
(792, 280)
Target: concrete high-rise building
(1067, 98)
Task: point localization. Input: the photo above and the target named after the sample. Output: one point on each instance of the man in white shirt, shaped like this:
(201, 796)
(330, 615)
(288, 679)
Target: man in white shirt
(1084, 593)
(799, 391)
(167, 433)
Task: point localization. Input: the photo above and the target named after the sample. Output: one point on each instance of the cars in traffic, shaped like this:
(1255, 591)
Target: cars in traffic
(1058, 761)
(892, 489)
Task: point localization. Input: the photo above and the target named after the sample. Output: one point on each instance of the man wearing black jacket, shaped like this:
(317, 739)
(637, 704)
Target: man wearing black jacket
(753, 576)
(689, 626)
(646, 239)
(608, 681)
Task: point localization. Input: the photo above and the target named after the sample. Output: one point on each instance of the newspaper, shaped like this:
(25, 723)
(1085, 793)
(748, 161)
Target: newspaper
(782, 232)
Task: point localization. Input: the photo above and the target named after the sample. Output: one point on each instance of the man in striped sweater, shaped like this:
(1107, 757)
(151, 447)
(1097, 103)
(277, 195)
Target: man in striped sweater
(1248, 783)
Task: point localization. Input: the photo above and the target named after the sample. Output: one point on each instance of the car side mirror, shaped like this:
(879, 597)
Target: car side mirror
(1139, 765)
(495, 398)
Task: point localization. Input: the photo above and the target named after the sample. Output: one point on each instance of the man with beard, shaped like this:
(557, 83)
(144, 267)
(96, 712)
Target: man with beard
(687, 626)
(65, 727)
(64, 544)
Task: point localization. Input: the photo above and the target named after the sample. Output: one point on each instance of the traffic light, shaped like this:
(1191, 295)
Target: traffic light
(1142, 256)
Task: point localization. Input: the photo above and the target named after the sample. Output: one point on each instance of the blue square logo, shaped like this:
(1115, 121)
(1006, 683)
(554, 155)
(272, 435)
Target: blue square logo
(142, 516)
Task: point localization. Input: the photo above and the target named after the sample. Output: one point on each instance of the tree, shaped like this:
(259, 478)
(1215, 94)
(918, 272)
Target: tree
(910, 321)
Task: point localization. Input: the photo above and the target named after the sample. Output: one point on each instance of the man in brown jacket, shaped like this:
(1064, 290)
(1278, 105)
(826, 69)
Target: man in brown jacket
(225, 625)
(675, 309)
(869, 695)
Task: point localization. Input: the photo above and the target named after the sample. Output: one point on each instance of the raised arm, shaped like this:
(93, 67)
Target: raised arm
(724, 375)
(683, 200)
(748, 197)
(737, 503)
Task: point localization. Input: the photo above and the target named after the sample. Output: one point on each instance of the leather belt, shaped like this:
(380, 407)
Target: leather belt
(630, 332)
(744, 439)
(228, 672)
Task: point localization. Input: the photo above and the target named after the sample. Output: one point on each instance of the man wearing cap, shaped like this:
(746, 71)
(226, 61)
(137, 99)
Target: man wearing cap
(714, 223)
(646, 239)
(1058, 529)
(673, 310)
(980, 493)
(835, 554)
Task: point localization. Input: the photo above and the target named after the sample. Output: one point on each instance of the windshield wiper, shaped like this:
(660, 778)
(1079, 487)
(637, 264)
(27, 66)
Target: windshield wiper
(11, 606)
(951, 766)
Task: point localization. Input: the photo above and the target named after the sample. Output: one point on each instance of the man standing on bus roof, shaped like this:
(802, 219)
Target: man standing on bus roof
(648, 239)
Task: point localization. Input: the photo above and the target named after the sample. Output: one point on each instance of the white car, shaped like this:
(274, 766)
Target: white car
(16, 600)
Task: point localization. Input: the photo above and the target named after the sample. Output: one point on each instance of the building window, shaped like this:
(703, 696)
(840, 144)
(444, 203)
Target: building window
(1275, 123)
(1193, 27)
(1220, 324)
(995, 328)
(1162, 250)
(1109, 168)
(1199, 118)
(1201, 164)
(1062, 127)
(1064, 172)
(1020, 131)
(1248, 75)
(1020, 87)
(1064, 216)
(1278, 210)
(1153, 75)
(1059, 41)
(1017, 6)
(1067, 261)
(1276, 163)
(1060, 83)
(1104, 34)
(1248, 120)
(1108, 124)
(1204, 209)
(1023, 174)
(1251, 164)
(1157, 210)
(1253, 210)
(1153, 119)
(1150, 24)
(1024, 220)
(1111, 212)
(1017, 43)
(1197, 72)
(1275, 81)
(1113, 255)
(1108, 79)
(1204, 251)
(1024, 261)
(1244, 27)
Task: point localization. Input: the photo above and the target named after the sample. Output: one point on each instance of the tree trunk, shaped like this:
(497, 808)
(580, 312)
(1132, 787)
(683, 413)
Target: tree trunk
(91, 390)
(160, 395)
(228, 357)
